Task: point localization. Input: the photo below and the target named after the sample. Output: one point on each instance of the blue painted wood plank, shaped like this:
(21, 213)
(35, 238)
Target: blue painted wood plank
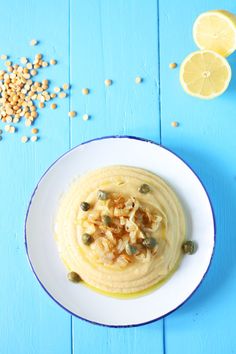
(30, 321)
(115, 40)
(206, 140)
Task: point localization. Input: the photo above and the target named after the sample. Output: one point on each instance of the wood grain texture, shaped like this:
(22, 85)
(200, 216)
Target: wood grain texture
(206, 140)
(115, 40)
(30, 322)
(96, 40)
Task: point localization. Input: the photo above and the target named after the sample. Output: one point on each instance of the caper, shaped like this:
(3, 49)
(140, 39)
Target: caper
(74, 277)
(84, 206)
(102, 195)
(87, 239)
(130, 249)
(106, 220)
(189, 247)
(144, 188)
(150, 242)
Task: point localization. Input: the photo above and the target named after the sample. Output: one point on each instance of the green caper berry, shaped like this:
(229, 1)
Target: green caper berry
(106, 220)
(87, 239)
(102, 195)
(144, 188)
(84, 206)
(150, 242)
(189, 247)
(130, 249)
(74, 277)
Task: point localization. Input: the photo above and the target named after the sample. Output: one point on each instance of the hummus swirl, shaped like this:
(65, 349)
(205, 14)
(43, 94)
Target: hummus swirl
(139, 244)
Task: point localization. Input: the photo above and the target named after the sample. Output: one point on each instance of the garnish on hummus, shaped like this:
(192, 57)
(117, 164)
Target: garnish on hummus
(121, 229)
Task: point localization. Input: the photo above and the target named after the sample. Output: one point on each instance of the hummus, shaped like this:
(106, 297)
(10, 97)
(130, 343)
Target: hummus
(129, 238)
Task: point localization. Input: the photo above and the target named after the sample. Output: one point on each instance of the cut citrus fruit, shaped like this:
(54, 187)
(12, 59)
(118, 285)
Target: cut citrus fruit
(216, 30)
(205, 74)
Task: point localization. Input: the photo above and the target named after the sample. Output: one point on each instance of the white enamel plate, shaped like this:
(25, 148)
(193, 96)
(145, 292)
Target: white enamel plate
(82, 301)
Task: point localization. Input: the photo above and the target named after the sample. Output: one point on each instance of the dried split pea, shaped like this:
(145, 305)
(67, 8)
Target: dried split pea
(175, 124)
(38, 56)
(24, 139)
(44, 64)
(172, 65)
(53, 95)
(85, 117)
(138, 80)
(34, 138)
(33, 42)
(53, 62)
(12, 129)
(53, 106)
(85, 91)
(108, 82)
(41, 105)
(62, 95)
(28, 122)
(34, 131)
(66, 86)
(57, 89)
(72, 114)
(33, 72)
(23, 60)
(4, 57)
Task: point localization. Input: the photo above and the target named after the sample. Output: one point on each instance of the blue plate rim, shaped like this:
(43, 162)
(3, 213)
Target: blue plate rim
(132, 138)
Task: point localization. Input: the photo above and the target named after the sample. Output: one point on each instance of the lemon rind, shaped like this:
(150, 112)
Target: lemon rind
(199, 95)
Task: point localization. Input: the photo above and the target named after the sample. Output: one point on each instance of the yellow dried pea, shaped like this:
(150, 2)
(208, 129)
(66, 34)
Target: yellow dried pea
(53, 62)
(24, 139)
(28, 122)
(62, 95)
(34, 131)
(41, 105)
(85, 91)
(72, 114)
(33, 72)
(53, 106)
(108, 82)
(174, 124)
(57, 89)
(172, 65)
(8, 63)
(138, 80)
(4, 57)
(33, 42)
(44, 64)
(23, 60)
(38, 56)
(34, 138)
(12, 129)
(85, 117)
(66, 86)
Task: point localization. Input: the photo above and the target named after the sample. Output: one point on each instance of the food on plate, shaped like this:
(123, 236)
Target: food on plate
(120, 229)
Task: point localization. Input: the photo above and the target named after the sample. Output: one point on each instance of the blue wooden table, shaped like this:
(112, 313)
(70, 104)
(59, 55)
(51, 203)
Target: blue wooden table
(94, 40)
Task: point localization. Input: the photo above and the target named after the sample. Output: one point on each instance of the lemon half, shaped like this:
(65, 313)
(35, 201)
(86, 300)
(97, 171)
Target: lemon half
(216, 30)
(205, 74)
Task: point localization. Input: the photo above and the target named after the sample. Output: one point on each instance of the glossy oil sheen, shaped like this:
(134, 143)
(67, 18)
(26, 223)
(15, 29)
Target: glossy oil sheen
(95, 40)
